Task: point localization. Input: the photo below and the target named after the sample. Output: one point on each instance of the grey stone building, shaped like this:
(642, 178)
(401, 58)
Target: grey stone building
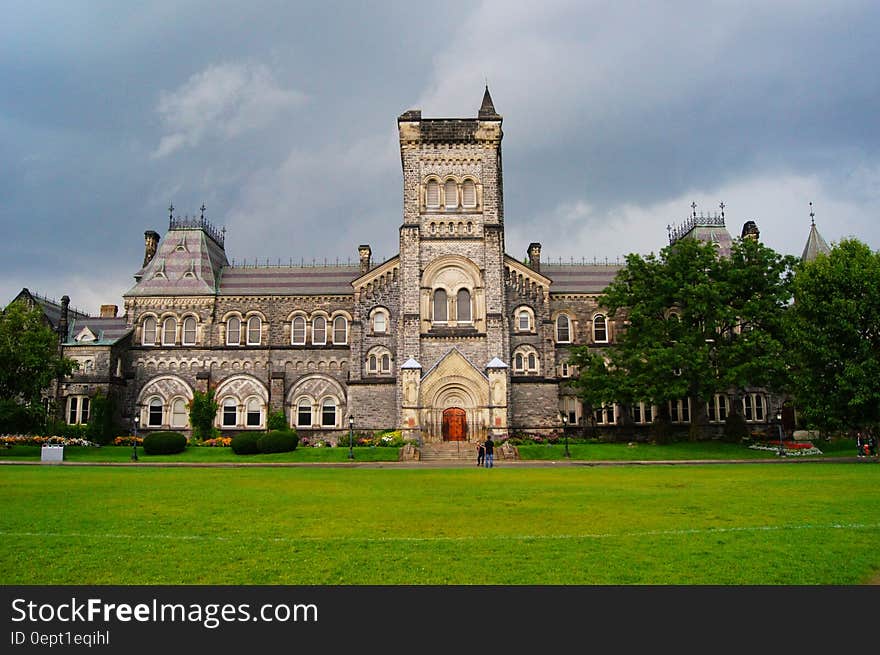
(451, 339)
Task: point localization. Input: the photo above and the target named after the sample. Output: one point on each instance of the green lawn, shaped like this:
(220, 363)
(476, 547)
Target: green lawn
(809, 523)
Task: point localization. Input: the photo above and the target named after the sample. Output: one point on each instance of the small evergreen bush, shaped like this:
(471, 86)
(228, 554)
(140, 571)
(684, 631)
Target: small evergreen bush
(246, 443)
(278, 441)
(164, 443)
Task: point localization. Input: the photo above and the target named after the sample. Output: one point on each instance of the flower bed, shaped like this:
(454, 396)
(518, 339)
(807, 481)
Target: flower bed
(788, 447)
(128, 441)
(218, 442)
(30, 440)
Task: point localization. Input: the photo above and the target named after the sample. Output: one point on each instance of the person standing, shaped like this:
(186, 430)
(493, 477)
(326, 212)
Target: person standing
(481, 454)
(860, 444)
(490, 451)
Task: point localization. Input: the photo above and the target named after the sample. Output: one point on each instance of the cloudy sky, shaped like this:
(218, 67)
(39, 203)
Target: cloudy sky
(281, 116)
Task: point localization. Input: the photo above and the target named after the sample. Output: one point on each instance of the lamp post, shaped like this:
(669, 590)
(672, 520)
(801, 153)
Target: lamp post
(134, 442)
(350, 436)
(565, 434)
(779, 429)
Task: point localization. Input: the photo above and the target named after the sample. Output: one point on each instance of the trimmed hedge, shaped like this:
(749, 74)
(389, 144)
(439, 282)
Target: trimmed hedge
(246, 443)
(278, 441)
(164, 443)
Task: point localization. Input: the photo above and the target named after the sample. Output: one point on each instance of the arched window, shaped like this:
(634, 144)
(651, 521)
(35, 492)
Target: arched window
(533, 362)
(340, 330)
(298, 331)
(154, 413)
(386, 363)
(600, 329)
(469, 194)
(380, 323)
(304, 413)
(463, 305)
(233, 331)
(149, 331)
(328, 413)
(563, 329)
(519, 362)
(189, 331)
(372, 364)
(230, 413)
(254, 416)
(450, 194)
(254, 329)
(440, 306)
(524, 321)
(169, 331)
(319, 331)
(432, 194)
(179, 415)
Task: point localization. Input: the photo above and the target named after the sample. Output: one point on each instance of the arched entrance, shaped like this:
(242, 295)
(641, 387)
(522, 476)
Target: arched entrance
(454, 424)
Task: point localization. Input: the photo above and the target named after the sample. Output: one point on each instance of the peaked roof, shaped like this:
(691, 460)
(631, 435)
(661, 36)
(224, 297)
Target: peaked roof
(105, 330)
(815, 245)
(51, 309)
(487, 109)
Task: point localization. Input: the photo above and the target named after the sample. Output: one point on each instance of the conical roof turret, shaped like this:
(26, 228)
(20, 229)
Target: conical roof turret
(487, 109)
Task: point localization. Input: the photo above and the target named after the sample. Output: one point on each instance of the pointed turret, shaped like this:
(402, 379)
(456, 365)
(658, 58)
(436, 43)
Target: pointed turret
(487, 109)
(816, 245)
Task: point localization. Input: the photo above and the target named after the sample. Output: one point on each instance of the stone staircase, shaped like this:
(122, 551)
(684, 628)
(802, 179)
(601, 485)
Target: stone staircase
(449, 451)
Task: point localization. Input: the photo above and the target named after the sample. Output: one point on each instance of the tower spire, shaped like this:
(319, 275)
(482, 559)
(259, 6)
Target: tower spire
(487, 109)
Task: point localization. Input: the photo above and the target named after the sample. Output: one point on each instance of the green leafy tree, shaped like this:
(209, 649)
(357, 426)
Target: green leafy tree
(30, 357)
(202, 411)
(696, 324)
(102, 428)
(835, 338)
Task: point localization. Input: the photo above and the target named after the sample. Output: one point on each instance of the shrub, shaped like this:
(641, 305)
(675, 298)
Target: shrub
(735, 428)
(246, 443)
(278, 441)
(164, 443)
(101, 428)
(202, 410)
(277, 421)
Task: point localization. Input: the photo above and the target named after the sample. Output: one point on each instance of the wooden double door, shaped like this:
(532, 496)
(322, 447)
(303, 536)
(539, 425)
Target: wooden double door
(455, 426)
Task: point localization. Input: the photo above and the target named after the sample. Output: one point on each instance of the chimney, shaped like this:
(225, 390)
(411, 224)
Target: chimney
(62, 321)
(151, 243)
(109, 311)
(365, 252)
(535, 256)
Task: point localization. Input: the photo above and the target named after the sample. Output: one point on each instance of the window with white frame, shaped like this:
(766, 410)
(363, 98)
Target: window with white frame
(463, 306)
(469, 194)
(563, 329)
(304, 413)
(298, 331)
(189, 331)
(440, 306)
(450, 194)
(432, 194)
(753, 407)
(716, 408)
(600, 329)
(254, 331)
(525, 361)
(253, 413)
(380, 322)
(340, 330)
(378, 361)
(169, 331)
(524, 321)
(680, 410)
(233, 331)
(319, 331)
(148, 336)
(229, 415)
(179, 413)
(328, 413)
(78, 410)
(605, 415)
(385, 363)
(642, 413)
(569, 409)
(155, 411)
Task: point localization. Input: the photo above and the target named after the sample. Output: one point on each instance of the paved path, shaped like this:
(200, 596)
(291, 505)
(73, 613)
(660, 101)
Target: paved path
(463, 464)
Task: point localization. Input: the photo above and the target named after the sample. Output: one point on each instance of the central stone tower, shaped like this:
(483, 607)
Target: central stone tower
(452, 321)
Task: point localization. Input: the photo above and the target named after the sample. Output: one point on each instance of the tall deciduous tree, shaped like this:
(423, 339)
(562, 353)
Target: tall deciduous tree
(30, 359)
(202, 412)
(835, 338)
(696, 324)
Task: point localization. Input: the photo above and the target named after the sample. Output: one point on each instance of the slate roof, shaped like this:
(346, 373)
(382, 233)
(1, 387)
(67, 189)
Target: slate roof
(815, 245)
(580, 278)
(107, 331)
(288, 280)
(50, 308)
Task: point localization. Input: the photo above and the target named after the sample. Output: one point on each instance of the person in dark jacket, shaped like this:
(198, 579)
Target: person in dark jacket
(490, 452)
(481, 454)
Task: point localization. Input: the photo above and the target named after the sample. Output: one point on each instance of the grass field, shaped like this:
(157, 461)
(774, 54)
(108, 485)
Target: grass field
(715, 524)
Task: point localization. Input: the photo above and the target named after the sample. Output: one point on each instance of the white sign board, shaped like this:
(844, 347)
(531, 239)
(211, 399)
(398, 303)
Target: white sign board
(52, 454)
